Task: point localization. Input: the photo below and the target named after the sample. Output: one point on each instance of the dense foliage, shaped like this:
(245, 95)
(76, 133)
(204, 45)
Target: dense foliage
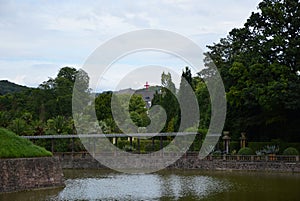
(260, 66)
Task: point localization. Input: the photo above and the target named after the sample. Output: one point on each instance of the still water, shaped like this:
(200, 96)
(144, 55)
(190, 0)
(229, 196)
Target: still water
(169, 185)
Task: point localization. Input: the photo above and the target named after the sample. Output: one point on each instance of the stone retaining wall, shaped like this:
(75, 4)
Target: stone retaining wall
(195, 163)
(86, 161)
(29, 173)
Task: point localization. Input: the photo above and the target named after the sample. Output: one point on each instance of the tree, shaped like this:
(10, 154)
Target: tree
(187, 99)
(167, 83)
(168, 100)
(259, 64)
(103, 106)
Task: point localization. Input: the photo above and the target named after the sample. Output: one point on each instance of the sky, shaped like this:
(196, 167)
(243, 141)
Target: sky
(37, 38)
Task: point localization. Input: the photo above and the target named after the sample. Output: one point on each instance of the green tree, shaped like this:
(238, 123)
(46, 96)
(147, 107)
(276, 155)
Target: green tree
(259, 64)
(103, 106)
(188, 101)
(167, 98)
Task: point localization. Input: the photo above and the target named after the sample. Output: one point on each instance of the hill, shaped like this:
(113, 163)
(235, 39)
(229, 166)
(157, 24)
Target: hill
(9, 87)
(13, 146)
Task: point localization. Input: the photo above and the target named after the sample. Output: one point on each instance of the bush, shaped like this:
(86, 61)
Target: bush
(246, 151)
(290, 151)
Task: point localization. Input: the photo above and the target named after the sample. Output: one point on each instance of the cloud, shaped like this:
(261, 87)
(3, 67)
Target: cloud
(30, 72)
(55, 33)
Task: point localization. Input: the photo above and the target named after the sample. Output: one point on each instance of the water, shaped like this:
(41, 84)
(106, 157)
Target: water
(168, 185)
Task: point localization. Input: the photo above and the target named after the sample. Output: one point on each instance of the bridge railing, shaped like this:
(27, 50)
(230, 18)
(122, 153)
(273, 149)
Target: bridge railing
(157, 139)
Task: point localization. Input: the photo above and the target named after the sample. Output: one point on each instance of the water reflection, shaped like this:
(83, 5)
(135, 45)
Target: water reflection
(140, 187)
(194, 186)
(113, 187)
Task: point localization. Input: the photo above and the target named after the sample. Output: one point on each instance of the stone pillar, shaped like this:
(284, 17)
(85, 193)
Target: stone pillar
(226, 140)
(243, 140)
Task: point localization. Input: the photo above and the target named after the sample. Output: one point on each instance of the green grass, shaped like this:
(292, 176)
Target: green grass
(13, 146)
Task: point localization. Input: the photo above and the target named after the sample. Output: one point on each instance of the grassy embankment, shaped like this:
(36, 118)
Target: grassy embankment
(13, 146)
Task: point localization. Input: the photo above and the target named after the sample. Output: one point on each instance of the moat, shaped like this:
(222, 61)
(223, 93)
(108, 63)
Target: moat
(169, 185)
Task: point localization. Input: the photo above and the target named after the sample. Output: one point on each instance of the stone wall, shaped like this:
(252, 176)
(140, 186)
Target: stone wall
(271, 166)
(86, 161)
(79, 161)
(30, 173)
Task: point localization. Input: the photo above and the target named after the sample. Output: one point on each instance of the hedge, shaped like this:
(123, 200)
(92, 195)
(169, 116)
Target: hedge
(246, 151)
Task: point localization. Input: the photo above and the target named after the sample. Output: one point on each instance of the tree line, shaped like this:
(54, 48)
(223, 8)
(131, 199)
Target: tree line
(259, 64)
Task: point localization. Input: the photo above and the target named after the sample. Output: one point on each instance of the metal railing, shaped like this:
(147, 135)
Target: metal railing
(114, 135)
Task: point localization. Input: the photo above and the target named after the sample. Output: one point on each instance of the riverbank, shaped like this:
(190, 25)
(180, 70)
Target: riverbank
(191, 161)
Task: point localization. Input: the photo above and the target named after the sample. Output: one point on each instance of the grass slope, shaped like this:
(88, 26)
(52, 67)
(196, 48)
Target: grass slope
(13, 146)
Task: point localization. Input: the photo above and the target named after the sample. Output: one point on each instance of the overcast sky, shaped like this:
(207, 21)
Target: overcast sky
(37, 38)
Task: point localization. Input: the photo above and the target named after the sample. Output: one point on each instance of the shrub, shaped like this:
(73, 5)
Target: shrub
(246, 151)
(290, 151)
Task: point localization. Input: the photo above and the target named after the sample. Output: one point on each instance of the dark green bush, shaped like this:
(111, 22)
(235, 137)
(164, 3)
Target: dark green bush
(246, 151)
(290, 151)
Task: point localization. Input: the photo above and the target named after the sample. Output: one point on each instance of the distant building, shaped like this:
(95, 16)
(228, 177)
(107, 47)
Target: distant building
(147, 93)
(147, 96)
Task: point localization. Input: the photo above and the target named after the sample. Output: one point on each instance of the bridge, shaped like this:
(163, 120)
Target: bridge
(114, 136)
